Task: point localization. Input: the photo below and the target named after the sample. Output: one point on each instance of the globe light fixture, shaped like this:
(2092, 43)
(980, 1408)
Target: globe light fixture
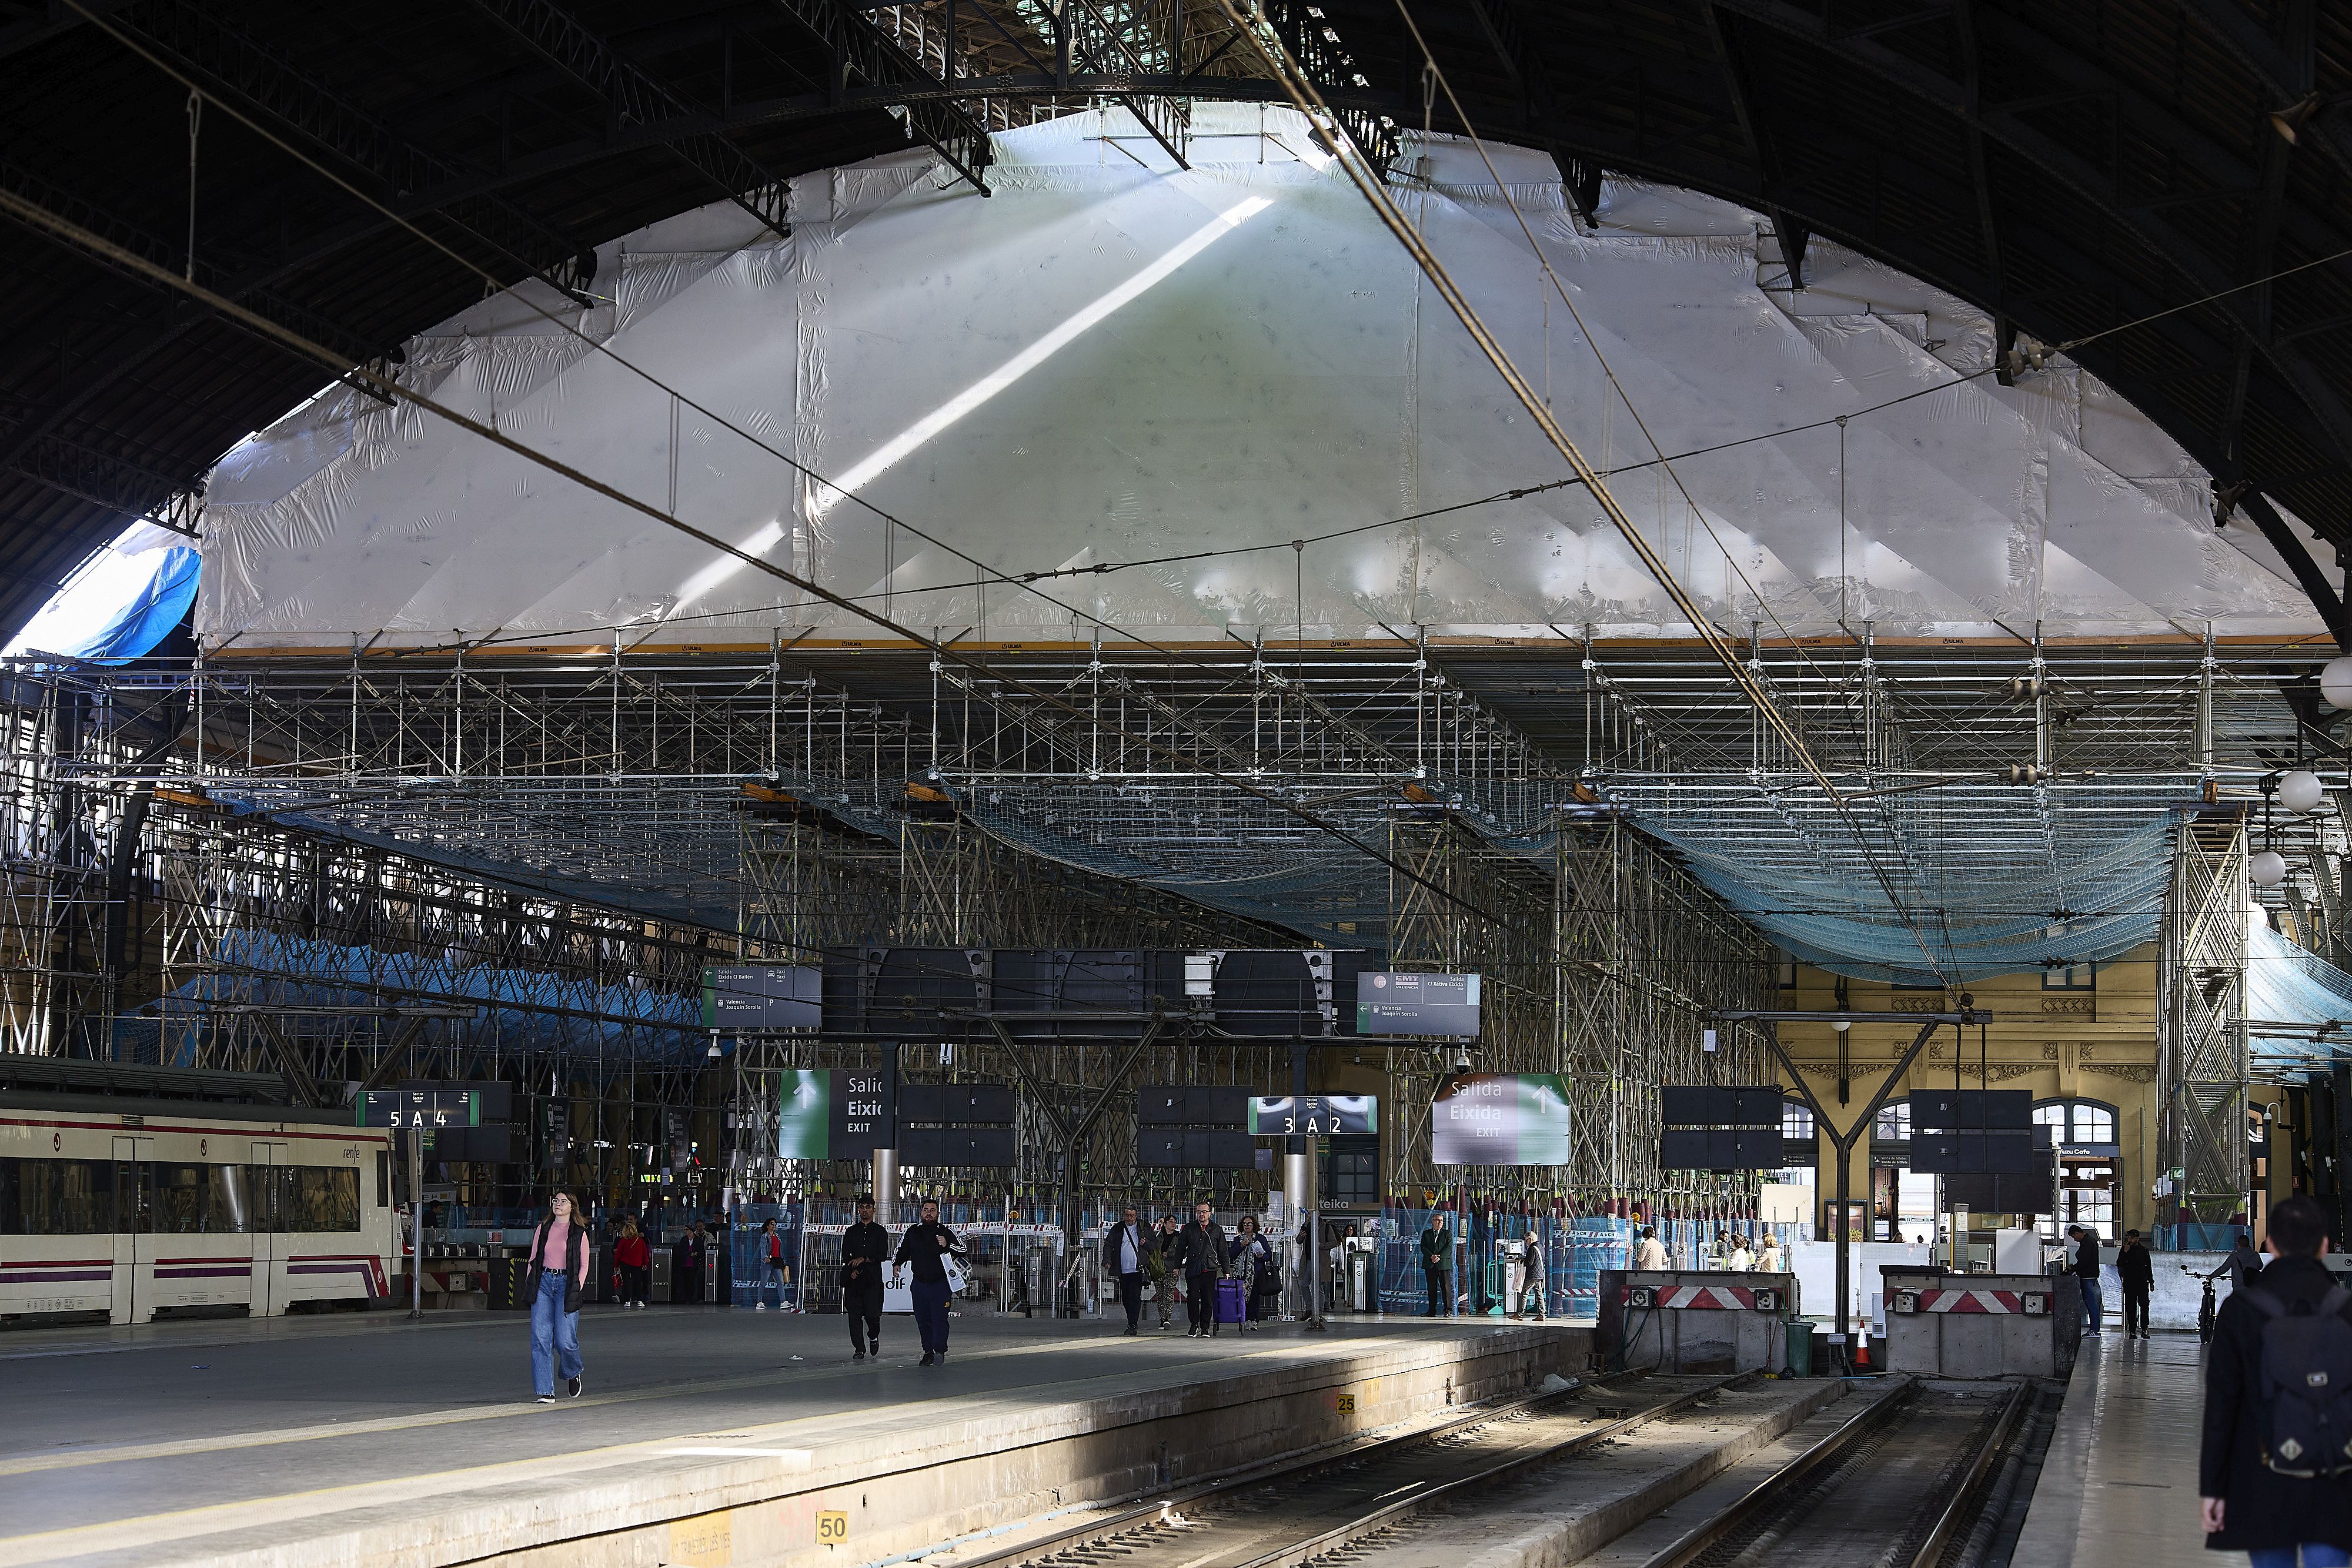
(2267, 868)
(2335, 681)
(2300, 792)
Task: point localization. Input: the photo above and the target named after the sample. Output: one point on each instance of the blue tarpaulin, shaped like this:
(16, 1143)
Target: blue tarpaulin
(523, 1006)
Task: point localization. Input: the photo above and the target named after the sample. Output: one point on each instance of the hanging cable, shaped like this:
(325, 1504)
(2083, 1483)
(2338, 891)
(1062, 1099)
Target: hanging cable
(195, 125)
(1308, 100)
(39, 217)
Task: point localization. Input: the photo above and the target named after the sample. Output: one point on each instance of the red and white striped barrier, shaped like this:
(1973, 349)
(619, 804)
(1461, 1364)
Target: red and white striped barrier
(1705, 1297)
(2012, 1303)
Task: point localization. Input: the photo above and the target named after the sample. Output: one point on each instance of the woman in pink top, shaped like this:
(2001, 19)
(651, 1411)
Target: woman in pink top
(559, 1270)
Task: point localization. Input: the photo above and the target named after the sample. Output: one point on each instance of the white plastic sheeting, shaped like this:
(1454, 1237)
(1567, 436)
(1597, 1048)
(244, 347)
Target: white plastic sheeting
(1105, 362)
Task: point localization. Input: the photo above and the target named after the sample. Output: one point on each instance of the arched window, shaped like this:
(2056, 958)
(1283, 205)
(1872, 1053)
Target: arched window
(2077, 1120)
(1894, 1121)
(1796, 1119)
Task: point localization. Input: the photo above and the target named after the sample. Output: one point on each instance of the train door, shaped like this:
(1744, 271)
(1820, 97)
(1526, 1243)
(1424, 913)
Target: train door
(270, 1210)
(134, 1232)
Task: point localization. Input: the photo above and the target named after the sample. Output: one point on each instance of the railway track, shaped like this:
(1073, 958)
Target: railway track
(1288, 1515)
(1898, 1486)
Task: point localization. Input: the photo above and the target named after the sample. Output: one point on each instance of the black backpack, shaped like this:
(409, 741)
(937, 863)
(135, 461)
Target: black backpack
(2307, 1384)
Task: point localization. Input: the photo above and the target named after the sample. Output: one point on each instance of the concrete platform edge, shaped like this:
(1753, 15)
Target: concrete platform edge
(637, 1506)
(2053, 1523)
(1564, 1540)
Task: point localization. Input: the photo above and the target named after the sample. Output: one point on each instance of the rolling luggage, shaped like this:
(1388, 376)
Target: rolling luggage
(1233, 1301)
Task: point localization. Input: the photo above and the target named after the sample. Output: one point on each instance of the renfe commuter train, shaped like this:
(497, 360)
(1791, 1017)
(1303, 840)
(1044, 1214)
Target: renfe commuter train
(132, 1207)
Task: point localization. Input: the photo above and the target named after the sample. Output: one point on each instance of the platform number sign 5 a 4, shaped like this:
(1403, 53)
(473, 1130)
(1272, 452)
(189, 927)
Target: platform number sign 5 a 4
(426, 1108)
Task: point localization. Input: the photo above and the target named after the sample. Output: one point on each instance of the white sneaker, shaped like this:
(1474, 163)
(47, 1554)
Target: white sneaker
(759, 1306)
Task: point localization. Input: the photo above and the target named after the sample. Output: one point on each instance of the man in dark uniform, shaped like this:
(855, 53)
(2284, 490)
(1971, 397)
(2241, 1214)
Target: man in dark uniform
(865, 1247)
(1201, 1247)
(2137, 1271)
(924, 1248)
(1437, 1265)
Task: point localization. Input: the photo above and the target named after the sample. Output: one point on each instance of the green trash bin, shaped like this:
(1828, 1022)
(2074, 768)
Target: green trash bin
(1800, 1349)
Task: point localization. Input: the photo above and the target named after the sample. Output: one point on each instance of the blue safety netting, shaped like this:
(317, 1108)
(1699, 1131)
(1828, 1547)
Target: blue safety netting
(665, 848)
(2290, 984)
(303, 983)
(1937, 887)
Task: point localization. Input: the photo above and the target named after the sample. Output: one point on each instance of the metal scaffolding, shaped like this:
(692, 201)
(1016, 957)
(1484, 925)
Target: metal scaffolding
(2202, 1045)
(193, 847)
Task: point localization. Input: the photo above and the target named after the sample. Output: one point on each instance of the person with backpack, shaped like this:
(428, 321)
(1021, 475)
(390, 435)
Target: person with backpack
(2241, 1265)
(2275, 1474)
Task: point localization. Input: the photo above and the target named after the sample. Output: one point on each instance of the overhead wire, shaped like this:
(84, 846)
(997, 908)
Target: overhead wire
(557, 320)
(38, 216)
(251, 320)
(1308, 100)
(1025, 580)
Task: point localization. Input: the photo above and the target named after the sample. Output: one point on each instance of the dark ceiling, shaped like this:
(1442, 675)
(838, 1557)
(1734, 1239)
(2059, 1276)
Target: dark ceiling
(2072, 166)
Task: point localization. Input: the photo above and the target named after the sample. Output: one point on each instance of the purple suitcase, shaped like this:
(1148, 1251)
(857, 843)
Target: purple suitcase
(1233, 1301)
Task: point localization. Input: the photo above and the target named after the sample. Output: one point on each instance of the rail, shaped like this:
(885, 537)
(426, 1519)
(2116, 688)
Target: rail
(1354, 1458)
(1954, 1506)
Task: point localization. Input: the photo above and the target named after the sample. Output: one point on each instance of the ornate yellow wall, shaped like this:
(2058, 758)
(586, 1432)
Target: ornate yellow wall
(2096, 1044)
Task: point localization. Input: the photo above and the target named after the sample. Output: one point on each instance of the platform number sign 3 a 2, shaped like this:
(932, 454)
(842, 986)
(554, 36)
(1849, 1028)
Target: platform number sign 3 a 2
(832, 1528)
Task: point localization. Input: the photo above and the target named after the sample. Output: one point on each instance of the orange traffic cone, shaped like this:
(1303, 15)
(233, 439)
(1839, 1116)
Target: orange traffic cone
(1861, 1351)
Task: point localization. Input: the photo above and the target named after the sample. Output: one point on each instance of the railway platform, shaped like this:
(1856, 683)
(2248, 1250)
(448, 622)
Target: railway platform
(702, 1436)
(2118, 1487)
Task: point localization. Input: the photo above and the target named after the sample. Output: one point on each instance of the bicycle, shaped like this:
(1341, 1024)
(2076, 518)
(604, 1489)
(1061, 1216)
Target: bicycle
(2204, 1308)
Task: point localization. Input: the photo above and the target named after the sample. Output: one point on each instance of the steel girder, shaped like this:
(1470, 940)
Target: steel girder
(373, 150)
(103, 472)
(863, 53)
(634, 97)
(2219, 172)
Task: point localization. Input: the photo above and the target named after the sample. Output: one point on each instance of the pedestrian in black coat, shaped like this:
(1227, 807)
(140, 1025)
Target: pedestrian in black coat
(2247, 1506)
(1201, 1248)
(2138, 1272)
